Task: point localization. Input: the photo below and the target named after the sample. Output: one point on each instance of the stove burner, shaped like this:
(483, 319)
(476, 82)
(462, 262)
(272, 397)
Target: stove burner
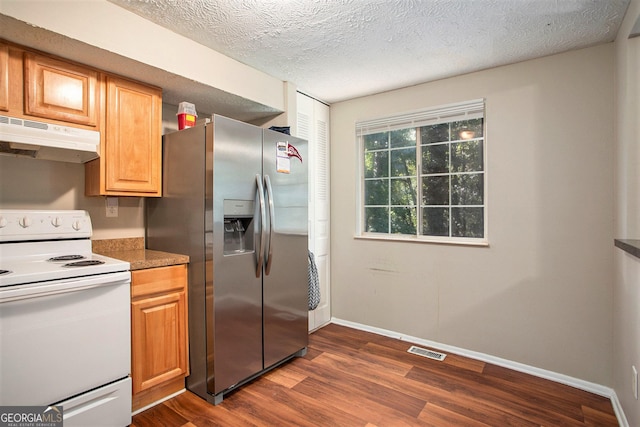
(85, 263)
(66, 258)
(2, 272)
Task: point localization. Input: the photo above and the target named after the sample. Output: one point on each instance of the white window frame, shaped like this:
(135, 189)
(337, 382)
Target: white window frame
(414, 119)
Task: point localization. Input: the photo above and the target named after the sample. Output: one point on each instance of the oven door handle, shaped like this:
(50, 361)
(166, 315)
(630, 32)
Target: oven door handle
(63, 286)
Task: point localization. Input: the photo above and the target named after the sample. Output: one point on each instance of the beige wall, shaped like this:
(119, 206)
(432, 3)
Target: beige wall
(44, 184)
(626, 304)
(544, 283)
(541, 293)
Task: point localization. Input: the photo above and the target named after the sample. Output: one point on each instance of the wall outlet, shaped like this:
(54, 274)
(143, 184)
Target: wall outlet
(634, 382)
(112, 207)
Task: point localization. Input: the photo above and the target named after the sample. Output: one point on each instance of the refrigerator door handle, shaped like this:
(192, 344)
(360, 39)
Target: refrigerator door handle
(272, 217)
(263, 220)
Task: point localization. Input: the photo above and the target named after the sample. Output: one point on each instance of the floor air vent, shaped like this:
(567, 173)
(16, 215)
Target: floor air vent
(426, 353)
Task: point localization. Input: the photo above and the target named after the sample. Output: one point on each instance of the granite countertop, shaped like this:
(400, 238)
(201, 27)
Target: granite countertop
(133, 251)
(631, 246)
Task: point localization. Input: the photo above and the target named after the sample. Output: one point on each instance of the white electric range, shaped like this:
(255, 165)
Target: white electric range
(64, 319)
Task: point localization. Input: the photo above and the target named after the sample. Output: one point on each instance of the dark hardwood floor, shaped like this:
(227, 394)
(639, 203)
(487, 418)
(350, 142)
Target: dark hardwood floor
(355, 378)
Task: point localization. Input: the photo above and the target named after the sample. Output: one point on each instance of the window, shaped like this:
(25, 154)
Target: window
(423, 175)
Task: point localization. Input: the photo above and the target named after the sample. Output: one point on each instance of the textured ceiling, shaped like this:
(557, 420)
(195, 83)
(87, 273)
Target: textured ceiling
(341, 49)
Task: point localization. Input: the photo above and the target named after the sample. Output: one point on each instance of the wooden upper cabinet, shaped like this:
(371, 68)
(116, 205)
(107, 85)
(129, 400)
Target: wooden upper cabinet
(133, 139)
(60, 90)
(130, 162)
(128, 115)
(4, 77)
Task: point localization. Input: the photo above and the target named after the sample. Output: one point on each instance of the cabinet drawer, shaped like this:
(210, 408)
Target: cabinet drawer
(156, 280)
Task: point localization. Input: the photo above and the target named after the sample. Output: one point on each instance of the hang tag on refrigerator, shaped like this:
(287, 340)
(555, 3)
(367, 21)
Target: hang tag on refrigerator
(283, 162)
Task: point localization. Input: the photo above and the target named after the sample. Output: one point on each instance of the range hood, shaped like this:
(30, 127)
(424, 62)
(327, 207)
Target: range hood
(39, 140)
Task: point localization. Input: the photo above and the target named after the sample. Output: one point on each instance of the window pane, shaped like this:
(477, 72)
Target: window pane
(435, 190)
(435, 221)
(403, 162)
(376, 164)
(435, 158)
(467, 189)
(466, 129)
(434, 133)
(467, 222)
(376, 141)
(403, 191)
(376, 192)
(428, 180)
(403, 138)
(466, 156)
(376, 220)
(403, 220)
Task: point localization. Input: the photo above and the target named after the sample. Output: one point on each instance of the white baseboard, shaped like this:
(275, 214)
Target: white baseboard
(516, 366)
(617, 408)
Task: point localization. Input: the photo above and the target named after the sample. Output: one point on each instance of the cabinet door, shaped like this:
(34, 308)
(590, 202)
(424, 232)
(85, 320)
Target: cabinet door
(133, 154)
(60, 90)
(4, 77)
(158, 340)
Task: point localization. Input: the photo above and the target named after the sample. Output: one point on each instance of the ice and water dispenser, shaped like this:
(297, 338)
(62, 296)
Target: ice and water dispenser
(238, 226)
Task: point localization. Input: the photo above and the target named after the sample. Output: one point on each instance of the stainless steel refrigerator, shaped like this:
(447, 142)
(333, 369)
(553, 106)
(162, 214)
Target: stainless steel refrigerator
(235, 201)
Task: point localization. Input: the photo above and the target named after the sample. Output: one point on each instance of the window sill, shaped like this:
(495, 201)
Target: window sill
(408, 239)
(631, 246)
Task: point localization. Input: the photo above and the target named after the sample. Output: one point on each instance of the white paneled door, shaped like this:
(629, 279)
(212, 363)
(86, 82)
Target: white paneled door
(313, 125)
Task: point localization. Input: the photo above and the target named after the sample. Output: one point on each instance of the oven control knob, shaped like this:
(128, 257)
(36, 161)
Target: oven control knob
(77, 225)
(56, 221)
(25, 222)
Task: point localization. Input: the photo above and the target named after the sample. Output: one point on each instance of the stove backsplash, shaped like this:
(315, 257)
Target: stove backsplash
(45, 184)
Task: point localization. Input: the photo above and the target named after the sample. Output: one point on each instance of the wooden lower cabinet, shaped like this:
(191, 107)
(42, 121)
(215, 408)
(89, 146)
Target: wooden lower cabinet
(159, 339)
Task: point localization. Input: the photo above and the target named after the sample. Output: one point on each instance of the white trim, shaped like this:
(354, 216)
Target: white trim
(157, 402)
(456, 241)
(474, 109)
(617, 408)
(516, 366)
